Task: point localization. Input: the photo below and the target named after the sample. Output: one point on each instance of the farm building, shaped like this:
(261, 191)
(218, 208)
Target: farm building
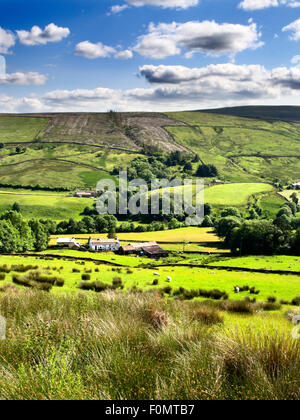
(86, 194)
(296, 186)
(148, 249)
(104, 244)
(70, 242)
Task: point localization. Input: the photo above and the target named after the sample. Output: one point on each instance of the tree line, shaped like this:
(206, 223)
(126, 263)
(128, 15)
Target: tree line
(18, 235)
(262, 237)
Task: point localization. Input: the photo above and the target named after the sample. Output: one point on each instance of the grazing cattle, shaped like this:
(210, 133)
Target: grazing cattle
(213, 273)
(237, 289)
(156, 274)
(169, 279)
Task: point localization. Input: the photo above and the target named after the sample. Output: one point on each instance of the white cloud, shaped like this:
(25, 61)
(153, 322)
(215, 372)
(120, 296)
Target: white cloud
(37, 36)
(264, 4)
(175, 4)
(124, 55)
(174, 88)
(26, 104)
(294, 27)
(164, 40)
(178, 88)
(23, 79)
(92, 51)
(295, 60)
(118, 9)
(165, 4)
(7, 40)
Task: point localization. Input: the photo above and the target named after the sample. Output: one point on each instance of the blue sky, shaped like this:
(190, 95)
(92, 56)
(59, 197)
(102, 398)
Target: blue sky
(156, 55)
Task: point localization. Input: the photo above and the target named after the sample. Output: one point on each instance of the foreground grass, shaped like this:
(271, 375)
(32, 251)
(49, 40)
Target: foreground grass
(138, 346)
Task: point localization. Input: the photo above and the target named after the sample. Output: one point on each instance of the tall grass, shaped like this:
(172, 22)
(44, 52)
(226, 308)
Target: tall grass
(137, 346)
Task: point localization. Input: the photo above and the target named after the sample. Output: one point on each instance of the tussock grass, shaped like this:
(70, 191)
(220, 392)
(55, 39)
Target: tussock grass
(137, 346)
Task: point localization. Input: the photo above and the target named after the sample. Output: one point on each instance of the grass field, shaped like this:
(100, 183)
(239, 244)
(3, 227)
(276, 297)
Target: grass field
(141, 347)
(52, 173)
(46, 206)
(287, 194)
(271, 203)
(20, 129)
(235, 194)
(67, 166)
(281, 286)
(280, 262)
(188, 234)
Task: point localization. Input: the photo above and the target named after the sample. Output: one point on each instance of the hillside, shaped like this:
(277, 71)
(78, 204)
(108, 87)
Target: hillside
(283, 113)
(243, 149)
(70, 151)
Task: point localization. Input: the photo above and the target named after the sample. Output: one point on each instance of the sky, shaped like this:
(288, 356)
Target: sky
(147, 55)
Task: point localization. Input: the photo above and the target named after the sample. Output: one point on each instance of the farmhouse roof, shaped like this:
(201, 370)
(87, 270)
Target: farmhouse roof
(155, 250)
(104, 241)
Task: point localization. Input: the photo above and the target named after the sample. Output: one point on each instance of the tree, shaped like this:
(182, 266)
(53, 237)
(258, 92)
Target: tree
(112, 233)
(207, 222)
(26, 239)
(295, 199)
(188, 167)
(16, 207)
(207, 209)
(40, 235)
(259, 237)
(225, 225)
(9, 238)
(207, 171)
(296, 243)
(89, 223)
(285, 211)
(231, 211)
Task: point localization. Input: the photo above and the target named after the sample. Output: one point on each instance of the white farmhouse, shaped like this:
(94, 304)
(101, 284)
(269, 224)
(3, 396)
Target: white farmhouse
(104, 244)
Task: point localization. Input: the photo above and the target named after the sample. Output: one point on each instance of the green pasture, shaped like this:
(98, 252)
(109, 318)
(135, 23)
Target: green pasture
(271, 203)
(47, 206)
(67, 166)
(278, 262)
(282, 287)
(51, 173)
(234, 194)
